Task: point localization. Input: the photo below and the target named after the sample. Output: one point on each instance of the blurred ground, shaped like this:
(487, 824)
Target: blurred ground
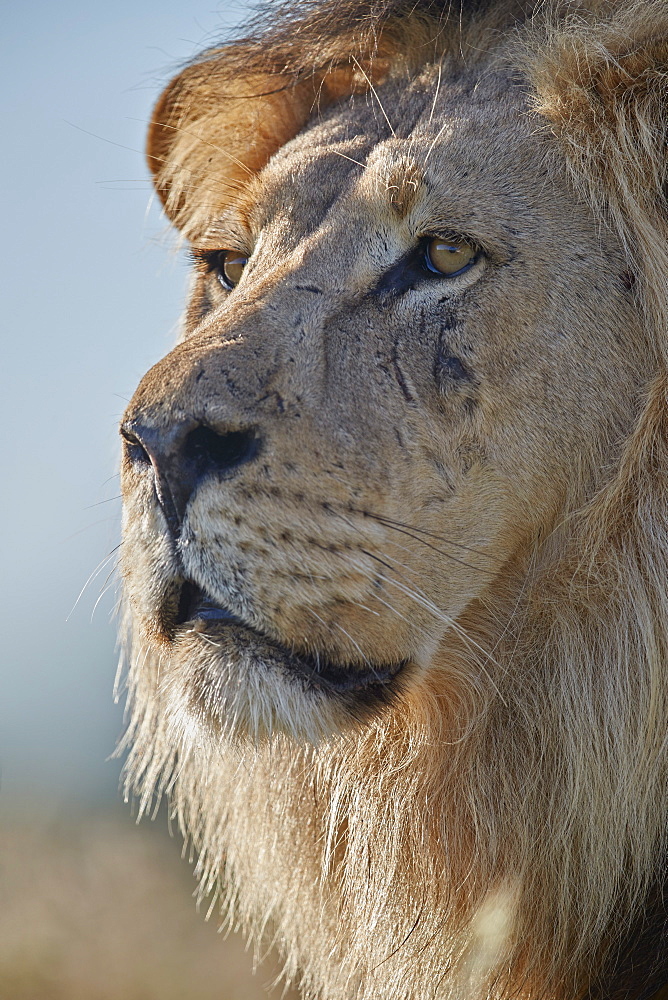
(97, 908)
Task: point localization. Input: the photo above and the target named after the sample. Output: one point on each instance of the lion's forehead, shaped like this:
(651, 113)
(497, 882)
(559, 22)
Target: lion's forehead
(462, 161)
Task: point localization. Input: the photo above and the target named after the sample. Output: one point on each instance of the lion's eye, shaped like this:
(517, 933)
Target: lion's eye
(449, 257)
(229, 267)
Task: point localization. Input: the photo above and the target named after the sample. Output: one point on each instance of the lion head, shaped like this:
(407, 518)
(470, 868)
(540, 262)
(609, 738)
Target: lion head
(394, 546)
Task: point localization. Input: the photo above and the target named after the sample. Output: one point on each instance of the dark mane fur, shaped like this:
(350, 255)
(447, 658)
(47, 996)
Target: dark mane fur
(299, 38)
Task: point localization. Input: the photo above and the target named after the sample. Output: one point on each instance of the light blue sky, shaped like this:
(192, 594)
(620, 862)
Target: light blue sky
(92, 294)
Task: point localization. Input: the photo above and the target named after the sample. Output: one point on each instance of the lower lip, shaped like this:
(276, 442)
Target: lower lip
(316, 674)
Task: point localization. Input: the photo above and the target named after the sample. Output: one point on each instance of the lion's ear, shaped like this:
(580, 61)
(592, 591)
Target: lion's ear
(213, 128)
(602, 83)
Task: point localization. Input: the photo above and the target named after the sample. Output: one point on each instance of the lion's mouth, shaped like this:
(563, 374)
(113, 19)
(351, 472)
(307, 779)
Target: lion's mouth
(194, 605)
(196, 610)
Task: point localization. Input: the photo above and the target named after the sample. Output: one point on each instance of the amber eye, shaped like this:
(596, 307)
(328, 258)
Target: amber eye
(449, 257)
(229, 267)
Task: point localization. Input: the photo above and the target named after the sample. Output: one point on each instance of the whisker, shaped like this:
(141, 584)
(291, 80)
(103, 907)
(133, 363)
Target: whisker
(98, 569)
(104, 590)
(360, 566)
(415, 594)
(102, 138)
(348, 636)
(356, 527)
(460, 562)
(436, 138)
(409, 569)
(405, 940)
(395, 526)
(125, 180)
(206, 638)
(345, 157)
(100, 502)
(375, 94)
(438, 87)
(390, 522)
(364, 608)
(108, 577)
(425, 602)
(414, 135)
(205, 142)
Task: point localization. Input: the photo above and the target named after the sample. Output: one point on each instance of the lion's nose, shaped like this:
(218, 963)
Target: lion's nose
(184, 454)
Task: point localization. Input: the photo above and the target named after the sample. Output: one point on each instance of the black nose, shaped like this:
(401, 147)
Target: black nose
(184, 454)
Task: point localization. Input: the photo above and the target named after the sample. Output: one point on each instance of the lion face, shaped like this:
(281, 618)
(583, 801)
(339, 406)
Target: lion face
(394, 545)
(406, 358)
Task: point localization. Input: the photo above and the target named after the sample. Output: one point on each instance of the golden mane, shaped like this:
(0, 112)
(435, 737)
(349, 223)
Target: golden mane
(546, 878)
(600, 75)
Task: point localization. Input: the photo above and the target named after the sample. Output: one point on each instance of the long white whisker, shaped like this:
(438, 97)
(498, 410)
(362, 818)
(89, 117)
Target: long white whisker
(375, 93)
(104, 590)
(343, 155)
(207, 638)
(364, 608)
(98, 569)
(390, 607)
(436, 138)
(205, 142)
(438, 87)
(347, 635)
(440, 615)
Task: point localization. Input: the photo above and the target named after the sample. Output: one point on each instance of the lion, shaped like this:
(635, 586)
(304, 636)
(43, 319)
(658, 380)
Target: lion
(395, 546)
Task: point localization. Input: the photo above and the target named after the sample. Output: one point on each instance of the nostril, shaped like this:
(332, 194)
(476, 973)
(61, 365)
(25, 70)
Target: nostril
(213, 452)
(182, 454)
(134, 446)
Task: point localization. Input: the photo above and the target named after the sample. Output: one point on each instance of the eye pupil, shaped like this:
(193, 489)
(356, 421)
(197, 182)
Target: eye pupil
(231, 264)
(449, 257)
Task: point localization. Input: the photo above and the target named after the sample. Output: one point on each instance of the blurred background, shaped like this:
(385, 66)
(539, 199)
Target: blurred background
(93, 284)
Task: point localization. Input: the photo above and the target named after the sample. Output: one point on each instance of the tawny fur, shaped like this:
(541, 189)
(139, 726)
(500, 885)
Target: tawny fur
(495, 830)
